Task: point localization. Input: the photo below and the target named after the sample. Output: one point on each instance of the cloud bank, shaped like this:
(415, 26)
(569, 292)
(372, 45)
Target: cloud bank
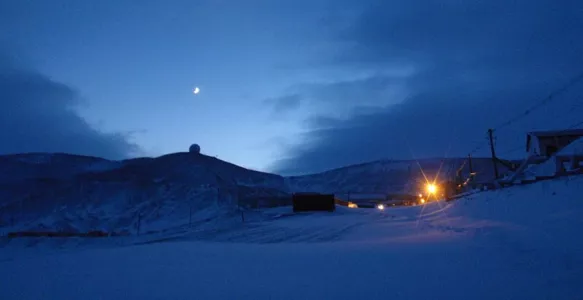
(473, 65)
(38, 114)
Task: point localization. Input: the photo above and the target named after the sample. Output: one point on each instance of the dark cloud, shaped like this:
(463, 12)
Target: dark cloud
(284, 104)
(358, 91)
(474, 65)
(434, 32)
(37, 115)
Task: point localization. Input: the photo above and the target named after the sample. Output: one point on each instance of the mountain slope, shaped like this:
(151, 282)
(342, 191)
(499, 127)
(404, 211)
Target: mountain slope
(79, 193)
(72, 193)
(390, 176)
(18, 167)
(514, 243)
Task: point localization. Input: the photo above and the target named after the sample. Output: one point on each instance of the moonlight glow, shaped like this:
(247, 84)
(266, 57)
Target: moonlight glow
(196, 90)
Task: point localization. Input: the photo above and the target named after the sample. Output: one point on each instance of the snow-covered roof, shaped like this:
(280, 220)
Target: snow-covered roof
(549, 167)
(574, 148)
(550, 133)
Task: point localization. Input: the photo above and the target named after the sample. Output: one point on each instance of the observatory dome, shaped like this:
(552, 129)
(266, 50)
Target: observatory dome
(194, 148)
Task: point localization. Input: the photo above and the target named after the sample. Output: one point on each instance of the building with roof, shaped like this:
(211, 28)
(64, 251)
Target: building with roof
(547, 143)
(549, 154)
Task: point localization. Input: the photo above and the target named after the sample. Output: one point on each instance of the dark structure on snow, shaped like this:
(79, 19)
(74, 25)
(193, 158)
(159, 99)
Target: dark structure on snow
(313, 202)
(547, 143)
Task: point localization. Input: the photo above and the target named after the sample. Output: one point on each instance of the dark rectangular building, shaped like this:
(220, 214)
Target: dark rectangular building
(313, 202)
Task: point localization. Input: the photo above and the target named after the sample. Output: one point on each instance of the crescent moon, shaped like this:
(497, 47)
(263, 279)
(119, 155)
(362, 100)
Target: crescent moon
(196, 90)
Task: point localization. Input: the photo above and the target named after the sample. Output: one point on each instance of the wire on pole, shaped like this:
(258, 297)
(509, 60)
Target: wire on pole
(543, 101)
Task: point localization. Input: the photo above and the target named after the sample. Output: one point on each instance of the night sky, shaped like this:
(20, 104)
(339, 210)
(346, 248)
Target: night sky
(287, 86)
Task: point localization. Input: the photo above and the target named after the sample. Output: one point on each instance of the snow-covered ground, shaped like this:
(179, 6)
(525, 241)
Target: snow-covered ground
(522, 242)
(549, 167)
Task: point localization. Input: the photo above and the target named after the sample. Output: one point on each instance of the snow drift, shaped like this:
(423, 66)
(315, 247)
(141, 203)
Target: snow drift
(522, 242)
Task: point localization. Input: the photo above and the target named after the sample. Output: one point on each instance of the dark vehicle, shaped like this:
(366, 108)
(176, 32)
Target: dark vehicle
(313, 202)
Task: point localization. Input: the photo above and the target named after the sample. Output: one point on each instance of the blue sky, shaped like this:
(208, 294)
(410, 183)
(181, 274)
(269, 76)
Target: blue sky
(287, 86)
(134, 64)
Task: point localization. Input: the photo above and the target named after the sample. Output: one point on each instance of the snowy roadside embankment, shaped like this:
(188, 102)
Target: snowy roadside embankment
(521, 242)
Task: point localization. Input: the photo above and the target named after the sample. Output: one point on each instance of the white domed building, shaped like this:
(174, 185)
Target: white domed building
(194, 148)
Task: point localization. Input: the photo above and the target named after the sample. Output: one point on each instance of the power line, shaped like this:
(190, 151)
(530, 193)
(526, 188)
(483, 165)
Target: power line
(570, 110)
(522, 147)
(543, 101)
(575, 125)
(480, 145)
(539, 104)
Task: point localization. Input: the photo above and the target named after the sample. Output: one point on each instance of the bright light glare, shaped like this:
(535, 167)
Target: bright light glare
(381, 206)
(420, 195)
(431, 188)
(422, 200)
(352, 205)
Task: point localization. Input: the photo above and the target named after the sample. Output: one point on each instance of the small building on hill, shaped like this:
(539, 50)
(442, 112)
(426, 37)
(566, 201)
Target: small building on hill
(550, 154)
(547, 143)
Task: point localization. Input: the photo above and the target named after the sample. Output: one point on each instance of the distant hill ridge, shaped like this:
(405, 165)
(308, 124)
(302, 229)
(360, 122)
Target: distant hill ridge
(83, 193)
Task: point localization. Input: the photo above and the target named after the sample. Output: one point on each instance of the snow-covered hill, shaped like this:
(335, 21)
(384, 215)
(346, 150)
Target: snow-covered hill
(19, 167)
(75, 193)
(78, 193)
(521, 242)
(390, 176)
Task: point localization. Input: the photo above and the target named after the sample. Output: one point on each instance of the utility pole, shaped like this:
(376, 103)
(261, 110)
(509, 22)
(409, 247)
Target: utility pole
(490, 135)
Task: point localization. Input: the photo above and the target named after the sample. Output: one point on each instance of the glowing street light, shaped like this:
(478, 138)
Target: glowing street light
(381, 206)
(431, 188)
